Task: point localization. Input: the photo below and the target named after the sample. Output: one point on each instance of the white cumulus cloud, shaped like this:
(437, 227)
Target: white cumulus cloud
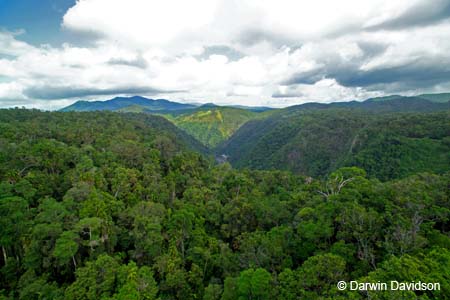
(249, 52)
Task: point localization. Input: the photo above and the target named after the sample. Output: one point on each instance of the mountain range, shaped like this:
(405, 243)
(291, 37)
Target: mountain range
(142, 104)
(390, 137)
(123, 103)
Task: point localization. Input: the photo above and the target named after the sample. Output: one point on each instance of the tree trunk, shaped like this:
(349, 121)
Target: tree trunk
(117, 192)
(4, 254)
(74, 262)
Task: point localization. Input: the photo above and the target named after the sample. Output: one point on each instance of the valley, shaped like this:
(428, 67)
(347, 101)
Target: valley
(390, 137)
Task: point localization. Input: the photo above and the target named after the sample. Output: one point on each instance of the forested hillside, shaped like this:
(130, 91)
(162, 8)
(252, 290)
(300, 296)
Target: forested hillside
(212, 125)
(319, 139)
(118, 206)
(209, 124)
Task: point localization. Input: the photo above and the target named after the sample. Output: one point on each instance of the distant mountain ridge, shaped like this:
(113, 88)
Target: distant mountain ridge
(378, 105)
(130, 104)
(121, 103)
(221, 126)
(438, 98)
(143, 104)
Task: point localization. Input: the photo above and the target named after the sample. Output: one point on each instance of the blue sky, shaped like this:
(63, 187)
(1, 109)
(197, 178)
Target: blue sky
(247, 52)
(40, 19)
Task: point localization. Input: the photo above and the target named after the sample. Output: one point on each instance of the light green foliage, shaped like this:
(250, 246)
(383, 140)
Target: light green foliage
(251, 284)
(13, 223)
(321, 270)
(254, 284)
(213, 292)
(213, 125)
(428, 268)
(96, 280)
(37, 287)
(66, 248)
(147, 227)
(136, 283)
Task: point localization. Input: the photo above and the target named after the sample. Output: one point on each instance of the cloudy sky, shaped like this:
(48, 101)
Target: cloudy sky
(248, 52)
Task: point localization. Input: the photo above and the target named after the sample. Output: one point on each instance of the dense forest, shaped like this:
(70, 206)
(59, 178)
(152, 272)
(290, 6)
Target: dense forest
(104, 205)
(315, 142)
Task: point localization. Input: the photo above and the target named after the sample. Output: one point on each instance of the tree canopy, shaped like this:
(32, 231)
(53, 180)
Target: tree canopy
(105, 205)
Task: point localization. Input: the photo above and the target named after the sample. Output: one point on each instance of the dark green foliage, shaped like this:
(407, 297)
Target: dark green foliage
(317, 142)
(116, 206)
